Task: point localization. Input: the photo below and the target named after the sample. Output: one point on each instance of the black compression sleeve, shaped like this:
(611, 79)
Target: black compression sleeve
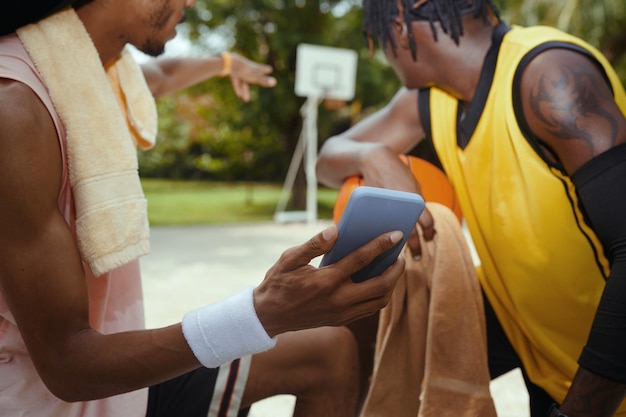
(601, 186)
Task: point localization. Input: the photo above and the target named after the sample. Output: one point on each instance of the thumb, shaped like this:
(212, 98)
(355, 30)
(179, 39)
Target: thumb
(301, 255)
(323, 241)
(320, 243)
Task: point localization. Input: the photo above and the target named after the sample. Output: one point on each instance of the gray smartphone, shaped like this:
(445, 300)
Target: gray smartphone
(370, 212)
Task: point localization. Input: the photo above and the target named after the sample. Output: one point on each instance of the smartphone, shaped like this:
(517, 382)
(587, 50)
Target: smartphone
(370, 212)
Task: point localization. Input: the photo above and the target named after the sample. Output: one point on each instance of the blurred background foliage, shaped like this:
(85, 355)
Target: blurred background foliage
(599, 22)
(206, 133)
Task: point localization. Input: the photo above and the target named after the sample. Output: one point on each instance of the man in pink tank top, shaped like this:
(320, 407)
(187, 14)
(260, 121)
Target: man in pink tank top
(73, 342)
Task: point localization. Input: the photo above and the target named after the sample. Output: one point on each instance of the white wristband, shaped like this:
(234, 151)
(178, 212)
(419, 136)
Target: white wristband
(230, 329)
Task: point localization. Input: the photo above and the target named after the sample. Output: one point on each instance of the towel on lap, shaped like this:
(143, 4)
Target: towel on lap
(431, 350)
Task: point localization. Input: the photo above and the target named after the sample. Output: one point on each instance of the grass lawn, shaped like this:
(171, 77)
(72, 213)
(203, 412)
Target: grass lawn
(201, 202)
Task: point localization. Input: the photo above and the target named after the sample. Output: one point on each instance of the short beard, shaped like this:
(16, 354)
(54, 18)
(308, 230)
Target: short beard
(157, 20)
(152, 48)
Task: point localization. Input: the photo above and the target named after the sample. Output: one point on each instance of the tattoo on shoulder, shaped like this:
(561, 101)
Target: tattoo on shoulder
(569, 104)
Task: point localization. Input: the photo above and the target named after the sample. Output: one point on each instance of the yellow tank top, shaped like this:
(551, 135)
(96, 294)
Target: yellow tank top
(542, 268)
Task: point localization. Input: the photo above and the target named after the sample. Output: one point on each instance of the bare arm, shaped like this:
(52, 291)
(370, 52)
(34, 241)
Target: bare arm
(42, 279)
(41, 274)
(169, 75)
(569, 106)
(371, 147)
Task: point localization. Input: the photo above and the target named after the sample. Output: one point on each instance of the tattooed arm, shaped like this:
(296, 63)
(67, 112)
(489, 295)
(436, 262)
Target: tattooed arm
(570, 108)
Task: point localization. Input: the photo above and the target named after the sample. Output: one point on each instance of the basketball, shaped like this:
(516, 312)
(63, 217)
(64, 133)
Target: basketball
(435, 187)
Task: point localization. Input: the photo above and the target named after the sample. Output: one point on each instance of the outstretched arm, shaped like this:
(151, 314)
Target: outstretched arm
(169, 75)
(569, 106)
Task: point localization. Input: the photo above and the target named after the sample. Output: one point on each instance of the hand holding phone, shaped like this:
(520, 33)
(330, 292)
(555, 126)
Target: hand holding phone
(370, 212)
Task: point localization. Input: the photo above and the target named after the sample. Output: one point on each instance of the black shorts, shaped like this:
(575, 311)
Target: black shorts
(503, 358)
(205, 392)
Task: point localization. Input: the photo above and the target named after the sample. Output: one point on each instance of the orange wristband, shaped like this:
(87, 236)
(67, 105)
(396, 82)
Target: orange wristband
(228, 64)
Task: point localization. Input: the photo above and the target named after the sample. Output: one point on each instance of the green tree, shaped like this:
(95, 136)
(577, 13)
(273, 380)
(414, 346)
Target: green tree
(225, 138)
(209, 133)
(599, 22)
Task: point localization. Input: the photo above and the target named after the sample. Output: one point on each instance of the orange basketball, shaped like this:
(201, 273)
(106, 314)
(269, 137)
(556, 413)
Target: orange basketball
(435, 186)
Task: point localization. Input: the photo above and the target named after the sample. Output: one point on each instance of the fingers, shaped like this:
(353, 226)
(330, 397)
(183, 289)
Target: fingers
(261, 75)
(246, 72)
(355, 301)
(316, 246)
(414, 245)
(380, 286)
(295, 295)
(249, 72)
(323, 242)
(427, 224)
(363, 256)
(267, 81)
(241, 88)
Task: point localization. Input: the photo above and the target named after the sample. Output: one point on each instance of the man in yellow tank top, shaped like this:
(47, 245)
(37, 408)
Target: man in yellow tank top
(529, 125)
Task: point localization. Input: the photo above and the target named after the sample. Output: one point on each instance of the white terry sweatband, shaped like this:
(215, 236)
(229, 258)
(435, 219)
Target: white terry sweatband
(227, 330)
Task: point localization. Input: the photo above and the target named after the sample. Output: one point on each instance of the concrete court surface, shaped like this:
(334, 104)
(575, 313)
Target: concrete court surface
(192, 266)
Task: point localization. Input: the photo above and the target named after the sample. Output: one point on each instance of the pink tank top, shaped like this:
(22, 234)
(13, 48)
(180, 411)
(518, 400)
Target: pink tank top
(116, 301)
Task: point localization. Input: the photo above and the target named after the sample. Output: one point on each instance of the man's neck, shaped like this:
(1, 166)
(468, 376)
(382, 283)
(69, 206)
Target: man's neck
(108, 44)
(467, 62)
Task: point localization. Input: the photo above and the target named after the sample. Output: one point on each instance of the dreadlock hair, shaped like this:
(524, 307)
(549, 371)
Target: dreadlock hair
(378, 14)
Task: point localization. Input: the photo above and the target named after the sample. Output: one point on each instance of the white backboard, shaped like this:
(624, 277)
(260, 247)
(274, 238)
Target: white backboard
(325, 72)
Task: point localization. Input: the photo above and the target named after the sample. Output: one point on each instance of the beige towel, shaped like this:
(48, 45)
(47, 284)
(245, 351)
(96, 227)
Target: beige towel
(431, 354)
(111, 211)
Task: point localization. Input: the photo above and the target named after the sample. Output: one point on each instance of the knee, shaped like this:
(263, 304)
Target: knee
(338, 356)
